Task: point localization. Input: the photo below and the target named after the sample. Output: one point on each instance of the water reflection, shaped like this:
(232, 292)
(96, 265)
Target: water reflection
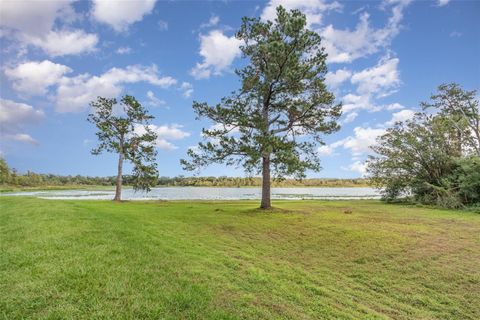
(204, 193)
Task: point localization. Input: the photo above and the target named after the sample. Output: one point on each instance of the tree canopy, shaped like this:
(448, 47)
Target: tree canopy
(282, 110)
(125, 130)
(432, 157)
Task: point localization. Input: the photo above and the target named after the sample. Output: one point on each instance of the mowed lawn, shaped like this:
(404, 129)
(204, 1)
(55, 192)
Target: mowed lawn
(228, 260)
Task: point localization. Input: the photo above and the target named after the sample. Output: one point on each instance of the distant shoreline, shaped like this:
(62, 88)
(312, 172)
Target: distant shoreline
(5, 189)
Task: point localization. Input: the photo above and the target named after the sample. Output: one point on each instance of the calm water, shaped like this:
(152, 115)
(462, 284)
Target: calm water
(204, 193)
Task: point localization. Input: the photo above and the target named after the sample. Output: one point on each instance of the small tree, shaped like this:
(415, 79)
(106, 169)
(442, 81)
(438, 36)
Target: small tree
(283, 99)
(125, 131)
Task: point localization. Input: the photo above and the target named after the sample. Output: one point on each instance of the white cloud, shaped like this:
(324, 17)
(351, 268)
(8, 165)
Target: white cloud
(345, 46)
(442, 3)
(362, 140)
(32, 17)
(60, 43)
(401, 116)
(373, 80)
(218, 52)
(23, 137)
(15, 117)
(153, 100)
(359, 144)
(187, 89)
(325, 150)
(335, 79)
(353, 101)
(394, 106)
(313, 9)
(165, 133)
(350, 117)
(124, 50)
(212, 22)
(33, 78)
(121, 14)
(33, 22)
(75, 93)
(358, 166)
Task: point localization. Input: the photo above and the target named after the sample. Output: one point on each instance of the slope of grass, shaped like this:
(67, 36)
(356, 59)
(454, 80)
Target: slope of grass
(228, 260)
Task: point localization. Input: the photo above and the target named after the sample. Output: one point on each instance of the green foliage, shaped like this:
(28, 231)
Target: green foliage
(467, 176)
(5, 173)
(282, 100)
(126, 131)
(432, 158)
(460, 109)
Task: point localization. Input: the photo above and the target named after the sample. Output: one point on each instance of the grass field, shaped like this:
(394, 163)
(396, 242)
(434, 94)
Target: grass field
(228, 260)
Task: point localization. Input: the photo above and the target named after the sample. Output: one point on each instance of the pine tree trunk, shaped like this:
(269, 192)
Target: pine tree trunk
(118, 189)
(266, 203)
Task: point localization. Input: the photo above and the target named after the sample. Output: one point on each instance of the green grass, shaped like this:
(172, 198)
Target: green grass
(228, 260)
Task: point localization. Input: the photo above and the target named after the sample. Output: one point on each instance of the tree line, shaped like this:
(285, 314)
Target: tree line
(10, 178)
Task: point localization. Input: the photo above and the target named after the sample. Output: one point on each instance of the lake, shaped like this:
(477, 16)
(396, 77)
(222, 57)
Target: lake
(208, 193)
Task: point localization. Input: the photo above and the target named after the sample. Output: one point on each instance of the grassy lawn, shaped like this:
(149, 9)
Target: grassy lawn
(227, 260)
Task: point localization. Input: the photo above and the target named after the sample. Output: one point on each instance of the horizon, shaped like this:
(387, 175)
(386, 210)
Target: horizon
(384, 59)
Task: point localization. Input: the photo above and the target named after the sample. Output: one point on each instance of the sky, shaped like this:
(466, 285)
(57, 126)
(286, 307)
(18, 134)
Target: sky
(384, 58)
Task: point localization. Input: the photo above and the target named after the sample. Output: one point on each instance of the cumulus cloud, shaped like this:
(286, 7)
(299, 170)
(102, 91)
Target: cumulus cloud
(153, 100)
(335, 79)
(74, 93)
(313, 9)
(345, 46)
(32, 17)
(121, 14)
(33, 78)
(359, 144)
(187, 89)
(375, 82)
(401, 116)
(218, 52)
(165, 134)
(358, 166)
(61, 43)
(350, 117)
(15, 117)
(361, 141)
(394, 106)
(376, 79)
(325, 150)
(32, 23)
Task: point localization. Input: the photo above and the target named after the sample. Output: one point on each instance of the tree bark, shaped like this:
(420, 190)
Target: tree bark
(118, 189)
(266, 203)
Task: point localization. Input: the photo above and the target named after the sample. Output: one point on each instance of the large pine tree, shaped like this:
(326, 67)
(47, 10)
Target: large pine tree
(276, 119)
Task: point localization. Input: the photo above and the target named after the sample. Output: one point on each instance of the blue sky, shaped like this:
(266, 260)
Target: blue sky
(384, 58)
